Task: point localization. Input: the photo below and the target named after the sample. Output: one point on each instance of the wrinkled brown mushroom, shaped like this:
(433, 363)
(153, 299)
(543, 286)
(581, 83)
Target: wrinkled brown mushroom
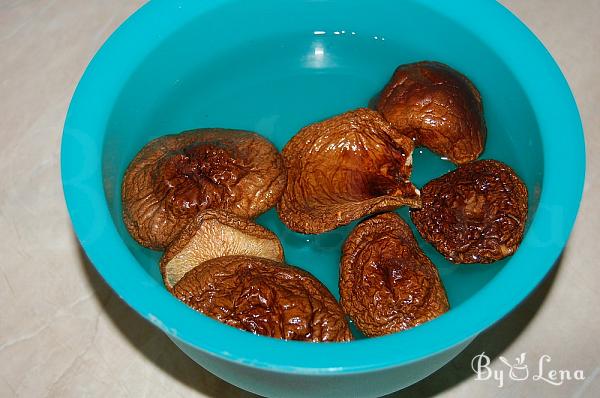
(474, 214)
(387, 284)
(215, 233)
(438, 107)
(343, 168)
(264, 297)
(175, 177)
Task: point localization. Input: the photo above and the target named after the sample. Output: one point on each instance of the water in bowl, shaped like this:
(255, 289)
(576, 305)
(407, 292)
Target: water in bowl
(276, 86)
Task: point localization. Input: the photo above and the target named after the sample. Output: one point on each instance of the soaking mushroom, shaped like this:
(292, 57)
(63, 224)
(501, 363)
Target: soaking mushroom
(438, 107)
(474, 214)
(264, 297)
(344, 168)
(175, 177)
(387, 284)
(215, 233)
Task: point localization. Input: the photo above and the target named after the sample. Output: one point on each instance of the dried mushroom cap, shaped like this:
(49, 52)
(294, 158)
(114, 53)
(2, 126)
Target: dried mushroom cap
(343, 168)
(264, 297)
(387, 284)
(474, 214)
(175, 177)
(438, 107)
(215, 233)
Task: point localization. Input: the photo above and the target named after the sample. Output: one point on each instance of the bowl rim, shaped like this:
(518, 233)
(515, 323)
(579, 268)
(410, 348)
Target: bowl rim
(564, 173)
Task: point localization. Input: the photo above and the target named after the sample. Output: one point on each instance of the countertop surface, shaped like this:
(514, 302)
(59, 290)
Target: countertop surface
(63, 333)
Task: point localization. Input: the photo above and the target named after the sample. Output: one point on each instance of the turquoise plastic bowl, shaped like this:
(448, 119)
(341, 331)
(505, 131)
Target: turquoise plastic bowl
(273, 66)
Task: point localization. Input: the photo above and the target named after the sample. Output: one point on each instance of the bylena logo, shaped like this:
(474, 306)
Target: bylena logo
(520, 371)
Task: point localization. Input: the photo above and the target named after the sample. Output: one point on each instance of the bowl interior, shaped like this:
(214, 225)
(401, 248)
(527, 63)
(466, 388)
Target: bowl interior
(277, 73)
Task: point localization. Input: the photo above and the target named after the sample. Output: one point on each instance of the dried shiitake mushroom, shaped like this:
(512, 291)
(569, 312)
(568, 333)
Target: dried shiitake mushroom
(474, 214)
(387, 284)
(343, 168)
(264, 297)
(215, 233)
(175, 177)
(438, 107)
